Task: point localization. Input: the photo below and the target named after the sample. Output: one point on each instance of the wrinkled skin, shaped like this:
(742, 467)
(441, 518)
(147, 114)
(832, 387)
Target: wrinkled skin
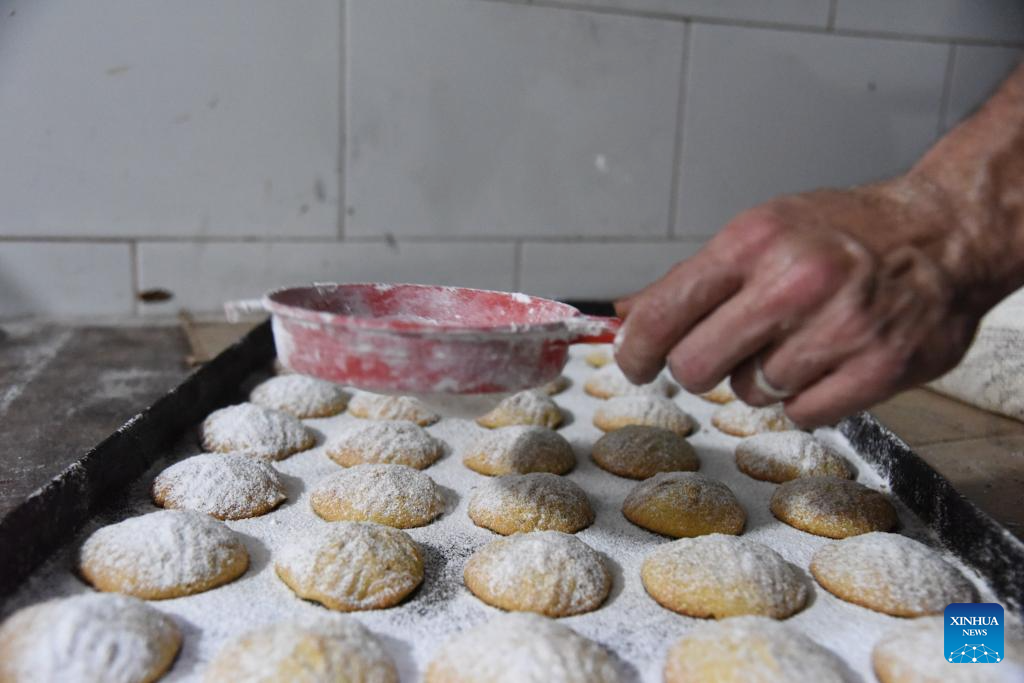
(847, 296)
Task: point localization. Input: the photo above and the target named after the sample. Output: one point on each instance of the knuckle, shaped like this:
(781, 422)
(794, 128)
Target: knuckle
(691, 372)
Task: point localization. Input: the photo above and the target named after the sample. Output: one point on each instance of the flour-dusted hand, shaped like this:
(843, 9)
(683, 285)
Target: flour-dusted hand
(837, 299)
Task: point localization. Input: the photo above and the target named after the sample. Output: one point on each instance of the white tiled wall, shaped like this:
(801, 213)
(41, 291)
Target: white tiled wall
(573, 148)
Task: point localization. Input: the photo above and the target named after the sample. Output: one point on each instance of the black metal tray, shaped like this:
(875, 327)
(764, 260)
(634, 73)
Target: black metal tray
(48, 518)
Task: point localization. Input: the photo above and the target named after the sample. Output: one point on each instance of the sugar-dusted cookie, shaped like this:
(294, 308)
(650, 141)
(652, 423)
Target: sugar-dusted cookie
(832, 507)
(224, 485)
(547, 572)
(520, 449)
(300, 396)
(318, 650)
(721, 393)
(88, 638)
(556, 386)
(382, 407)
(610, 381)
(261, 432)
(739, 419)
(521, 648)
(530, 502)
(647, 411)
(684, 504)
(394, 495)
(639, 452)
(529, 407)
(599, 355)
(752, 650)
(164, 554)
(782, 456)
(910, 654)
(890, 573)
(351, 566)
(723, 576)
(385, 441)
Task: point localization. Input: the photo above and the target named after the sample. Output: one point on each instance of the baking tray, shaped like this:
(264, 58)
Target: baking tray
(49, 518)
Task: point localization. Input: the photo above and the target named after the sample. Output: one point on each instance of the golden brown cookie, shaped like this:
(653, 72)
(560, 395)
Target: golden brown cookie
(722, 393)
(300, 396)
(783, 456)
(556, 386)
(639, 452)
(529, 407)
(261, 432)
(684, 504)
(385, 442)
(646, 411)
(832, 507)
(88, 638)
(609, 382)
(890, 573)
(223, 485)
(547, 572)
(311, 651)
(739, 419)
(164, 554)
(393, 495)
(521, 648)
(723, 576)
(599, 355)
(351, 566)
(520, 449)
(530, 502)
(382, 407)
(751, 650)
(909, 654)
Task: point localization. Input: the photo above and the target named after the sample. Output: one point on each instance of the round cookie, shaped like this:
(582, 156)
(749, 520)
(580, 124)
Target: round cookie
(538, 501)
(351, 566)
(530, 407)
(684, 504)
(88, 638)
(783, 456)
(723, 576)
(639, 452)
(381, 407)
(722, 393)
(739, 419)
(261, 432)
(521, 648)
(646, 411)
(751, 650)
(312, 651)
(890, 573)
(520, 449)
(387, 442)
(908, 654)
(555, 386)
(163, 554)
(223, 485)
(610, 381)
(832, 507)
(599, 355)
(393, 495)
(300, 396)
(546, 572)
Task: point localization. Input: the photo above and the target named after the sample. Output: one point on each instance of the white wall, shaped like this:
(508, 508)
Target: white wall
(216, 148)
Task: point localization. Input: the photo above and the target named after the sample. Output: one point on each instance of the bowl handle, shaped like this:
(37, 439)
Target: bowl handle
(592, 329)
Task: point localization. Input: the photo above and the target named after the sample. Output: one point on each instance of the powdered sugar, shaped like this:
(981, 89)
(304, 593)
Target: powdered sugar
(385, 441)
(225, 485)
(643, 410)
(395, 495)
(381, 407)
(264, 433)
(781, 456)
(520, 449)
(609, 381)
(739, 419)
(300, 396)
(530, 407)
(528, 502)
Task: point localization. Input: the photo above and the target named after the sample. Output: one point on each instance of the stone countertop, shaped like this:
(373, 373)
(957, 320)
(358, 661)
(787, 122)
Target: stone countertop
(64, 388)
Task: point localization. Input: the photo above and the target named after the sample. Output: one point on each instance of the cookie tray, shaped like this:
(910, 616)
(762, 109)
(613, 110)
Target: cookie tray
(53, 514)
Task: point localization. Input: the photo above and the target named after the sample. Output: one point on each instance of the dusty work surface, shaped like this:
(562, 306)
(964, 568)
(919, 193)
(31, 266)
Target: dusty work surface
(635, 628)
(64, 389)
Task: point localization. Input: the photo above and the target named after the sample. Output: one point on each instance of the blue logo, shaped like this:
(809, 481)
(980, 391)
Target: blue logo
(974, 633)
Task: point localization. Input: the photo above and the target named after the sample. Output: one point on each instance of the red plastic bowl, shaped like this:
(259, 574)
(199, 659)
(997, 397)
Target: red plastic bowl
(426, 338)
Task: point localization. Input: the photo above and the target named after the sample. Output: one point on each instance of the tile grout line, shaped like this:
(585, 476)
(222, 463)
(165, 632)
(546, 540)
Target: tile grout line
(833, 9)
(341, 167)
(947, 91)
(676, 172)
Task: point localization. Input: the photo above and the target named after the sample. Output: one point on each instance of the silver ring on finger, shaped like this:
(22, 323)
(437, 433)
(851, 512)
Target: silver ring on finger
(765, 386)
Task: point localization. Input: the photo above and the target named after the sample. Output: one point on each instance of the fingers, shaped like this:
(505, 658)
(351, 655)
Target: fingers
(855, 385)
(659, 316)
